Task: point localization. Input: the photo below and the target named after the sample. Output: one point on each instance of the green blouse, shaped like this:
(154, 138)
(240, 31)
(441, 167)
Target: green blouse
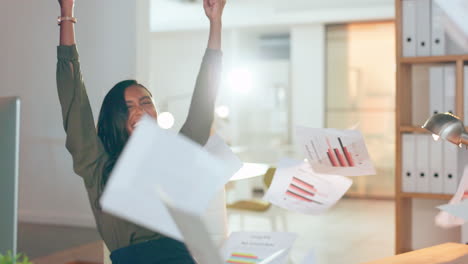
(89, 156)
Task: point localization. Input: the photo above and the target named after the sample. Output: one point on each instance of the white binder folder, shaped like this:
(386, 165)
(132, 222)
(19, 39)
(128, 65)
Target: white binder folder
(423, 28)
(450, 168)
(436, 90)
(438, 46)
(436, 166)
(409, 28)
(422, 163)
(408, 173)
(465, 94)
(449, 88)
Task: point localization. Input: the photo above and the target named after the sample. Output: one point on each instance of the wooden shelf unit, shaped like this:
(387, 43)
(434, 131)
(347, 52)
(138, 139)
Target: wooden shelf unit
(431, 196)
(415, 129)
(434, 59)
(403, 201)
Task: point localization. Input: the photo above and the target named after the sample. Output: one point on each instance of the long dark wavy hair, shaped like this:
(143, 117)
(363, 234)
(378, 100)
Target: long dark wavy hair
(111, 127)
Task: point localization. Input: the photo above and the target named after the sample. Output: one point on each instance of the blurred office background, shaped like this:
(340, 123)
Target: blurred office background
(286, 63)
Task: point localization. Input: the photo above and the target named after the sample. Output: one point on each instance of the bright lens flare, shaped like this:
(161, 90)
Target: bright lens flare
(165, 120)
(435, 137)
(240, 80)
(222, 111)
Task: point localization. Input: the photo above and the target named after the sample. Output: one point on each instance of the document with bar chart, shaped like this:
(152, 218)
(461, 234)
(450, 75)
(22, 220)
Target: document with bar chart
(258, 247)
(333, 151)
(298, 188)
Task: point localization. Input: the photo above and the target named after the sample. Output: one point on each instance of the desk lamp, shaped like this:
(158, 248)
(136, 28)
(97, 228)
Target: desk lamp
(448, 127)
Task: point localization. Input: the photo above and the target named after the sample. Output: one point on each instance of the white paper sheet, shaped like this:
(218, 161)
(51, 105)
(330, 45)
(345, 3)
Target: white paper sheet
(459, 210)
(297, 187)
(447, 220)
(250, 170)
(195, 233)
(309, 258)
(218, 148)
(333, 151)
(258, 247)
(216, 220)
(456, 23)
(156, 159)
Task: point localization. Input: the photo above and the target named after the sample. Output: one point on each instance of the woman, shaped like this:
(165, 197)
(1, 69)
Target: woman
(95, 152)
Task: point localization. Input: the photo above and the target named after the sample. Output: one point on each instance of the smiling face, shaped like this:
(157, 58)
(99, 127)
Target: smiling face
(139, 102)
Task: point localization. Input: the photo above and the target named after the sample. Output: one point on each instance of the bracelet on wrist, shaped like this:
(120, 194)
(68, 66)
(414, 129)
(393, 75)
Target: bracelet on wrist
(60, 19)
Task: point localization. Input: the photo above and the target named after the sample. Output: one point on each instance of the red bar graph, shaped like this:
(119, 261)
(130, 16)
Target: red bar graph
(339, 157)
(302, 190)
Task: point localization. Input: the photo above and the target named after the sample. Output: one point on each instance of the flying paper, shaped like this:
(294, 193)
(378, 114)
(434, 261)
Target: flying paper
(258, 247)
(450, 216)
(332, 151)
(157, 160)
(458, 209)
(309, 258)
(218, 148)
(297, 187)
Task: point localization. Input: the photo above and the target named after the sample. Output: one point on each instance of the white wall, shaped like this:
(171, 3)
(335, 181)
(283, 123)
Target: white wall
(308, 75)
(425, 232)
(267, 13)
(106, 31)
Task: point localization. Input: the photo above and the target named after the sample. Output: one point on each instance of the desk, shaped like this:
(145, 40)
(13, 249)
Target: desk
(449, 253)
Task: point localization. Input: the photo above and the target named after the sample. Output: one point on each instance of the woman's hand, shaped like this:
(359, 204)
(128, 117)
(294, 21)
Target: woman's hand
(66, 7)
(214, 12)
(213, 9)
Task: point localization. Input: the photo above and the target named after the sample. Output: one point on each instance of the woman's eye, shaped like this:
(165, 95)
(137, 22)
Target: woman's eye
(129, 106)
(147, 103)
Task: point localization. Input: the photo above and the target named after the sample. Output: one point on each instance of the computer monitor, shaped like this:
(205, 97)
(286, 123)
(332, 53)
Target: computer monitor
(9, 155)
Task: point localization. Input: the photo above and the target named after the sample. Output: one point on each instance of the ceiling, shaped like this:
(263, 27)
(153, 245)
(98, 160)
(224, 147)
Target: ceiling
(295, 4)
(171, 14)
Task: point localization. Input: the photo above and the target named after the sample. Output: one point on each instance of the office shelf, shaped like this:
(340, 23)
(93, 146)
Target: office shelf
(404, 94)
(413, 129)
(433, 59)
(430, 196)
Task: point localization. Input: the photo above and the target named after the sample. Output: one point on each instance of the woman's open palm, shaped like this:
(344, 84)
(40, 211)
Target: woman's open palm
(66, 3)
(214, 9)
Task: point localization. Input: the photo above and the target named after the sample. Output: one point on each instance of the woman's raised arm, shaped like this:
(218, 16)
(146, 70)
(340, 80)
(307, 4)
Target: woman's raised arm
(201, 113)
(89, 156)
